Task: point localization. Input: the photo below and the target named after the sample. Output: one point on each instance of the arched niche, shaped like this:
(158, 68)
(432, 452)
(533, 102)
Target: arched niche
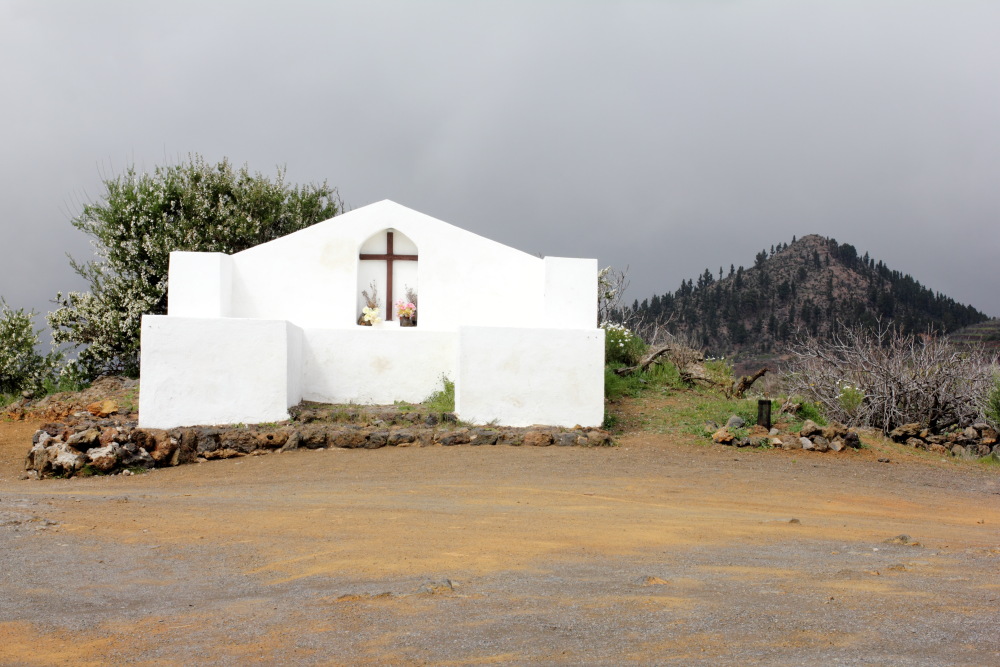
(388, 259)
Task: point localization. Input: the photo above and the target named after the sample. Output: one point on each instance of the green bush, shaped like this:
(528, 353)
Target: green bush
(621, 346)
(850, 398)
(992, 410)
(811, 411)
(140, 218)
(720, 371)
(21, 367)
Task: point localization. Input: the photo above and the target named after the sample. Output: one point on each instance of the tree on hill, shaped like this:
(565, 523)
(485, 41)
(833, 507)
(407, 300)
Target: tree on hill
(141, 218)
(814, 286)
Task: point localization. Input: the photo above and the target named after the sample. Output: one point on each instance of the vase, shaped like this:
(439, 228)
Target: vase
(406, 321)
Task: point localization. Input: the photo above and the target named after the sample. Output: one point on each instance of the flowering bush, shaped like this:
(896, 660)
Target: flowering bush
(141, 218)
(850, 398)
(405, 308)
(21, 367)
(621, 346)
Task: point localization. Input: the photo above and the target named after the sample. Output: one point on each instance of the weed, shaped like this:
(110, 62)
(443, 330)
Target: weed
(442, 400)
(990, 461)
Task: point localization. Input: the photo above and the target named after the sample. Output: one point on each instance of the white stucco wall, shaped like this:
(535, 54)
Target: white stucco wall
(376, 365)
(217, 371)
(570, 293)
(200, 284)
(249, 335)
(520, 377)
(311, 277)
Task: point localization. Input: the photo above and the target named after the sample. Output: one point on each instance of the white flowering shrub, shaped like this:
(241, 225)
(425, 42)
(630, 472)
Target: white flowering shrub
(142, 218)
(621, 346)
(21, 367)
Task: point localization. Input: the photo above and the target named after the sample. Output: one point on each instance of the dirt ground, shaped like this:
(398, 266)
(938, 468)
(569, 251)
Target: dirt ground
(656, 551)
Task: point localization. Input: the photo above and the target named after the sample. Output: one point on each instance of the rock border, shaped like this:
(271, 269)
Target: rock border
(86, 446)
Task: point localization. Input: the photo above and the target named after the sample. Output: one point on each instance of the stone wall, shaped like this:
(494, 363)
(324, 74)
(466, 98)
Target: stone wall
(975, 441)
(86, 446)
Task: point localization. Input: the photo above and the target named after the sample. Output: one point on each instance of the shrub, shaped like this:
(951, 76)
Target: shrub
(621, 346)
(21, 367)
(991, 410)
(882, 378)
(141, 218)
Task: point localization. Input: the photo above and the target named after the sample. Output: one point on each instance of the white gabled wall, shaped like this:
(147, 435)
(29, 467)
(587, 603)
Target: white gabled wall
(311, 277)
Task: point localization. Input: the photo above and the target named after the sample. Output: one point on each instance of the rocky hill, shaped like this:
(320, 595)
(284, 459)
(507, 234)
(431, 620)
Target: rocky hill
(813, 285)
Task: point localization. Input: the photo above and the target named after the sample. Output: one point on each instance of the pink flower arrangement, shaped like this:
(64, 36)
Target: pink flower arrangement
(405, 308)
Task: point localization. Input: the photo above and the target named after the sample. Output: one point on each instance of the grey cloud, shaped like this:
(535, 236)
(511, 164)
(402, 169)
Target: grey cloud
(667, 136)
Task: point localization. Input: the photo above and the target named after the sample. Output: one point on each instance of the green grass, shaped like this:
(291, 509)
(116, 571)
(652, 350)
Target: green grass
(711, 407)
(442, 400)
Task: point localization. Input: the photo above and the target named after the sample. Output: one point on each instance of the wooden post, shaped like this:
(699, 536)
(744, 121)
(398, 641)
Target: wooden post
(764, 413)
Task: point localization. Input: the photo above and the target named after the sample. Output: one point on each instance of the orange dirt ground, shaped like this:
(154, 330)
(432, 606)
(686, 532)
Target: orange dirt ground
(660, 550)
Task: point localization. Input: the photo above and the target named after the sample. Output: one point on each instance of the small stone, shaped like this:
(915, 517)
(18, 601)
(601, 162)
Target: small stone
(566, 439)
(773, 432)
(652, 581)
(901, 433)
(103, 409)
(791, 444)
(537, 439)
(852, 440)
(723, 436)
(810, 428)
(442, 587)
(836, 445)
(459, 437)
(807, 444)
(735, 422)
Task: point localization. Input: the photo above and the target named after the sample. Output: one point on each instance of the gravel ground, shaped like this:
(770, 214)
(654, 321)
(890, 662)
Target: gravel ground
(652, 552)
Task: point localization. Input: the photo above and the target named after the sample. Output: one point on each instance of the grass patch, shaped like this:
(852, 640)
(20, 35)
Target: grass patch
(442, 400)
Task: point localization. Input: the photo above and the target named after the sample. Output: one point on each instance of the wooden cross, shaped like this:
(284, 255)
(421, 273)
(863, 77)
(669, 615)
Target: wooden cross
(389, 257)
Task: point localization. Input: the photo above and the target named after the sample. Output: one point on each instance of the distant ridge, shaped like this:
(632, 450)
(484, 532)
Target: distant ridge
(985, 334)
(812, 284)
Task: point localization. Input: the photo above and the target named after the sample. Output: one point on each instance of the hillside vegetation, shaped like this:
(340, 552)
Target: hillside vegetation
(813, 285)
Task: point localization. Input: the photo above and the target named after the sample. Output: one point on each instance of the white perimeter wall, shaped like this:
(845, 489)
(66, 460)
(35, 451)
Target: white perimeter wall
(520, 377)
(217, 371)
(376, 365)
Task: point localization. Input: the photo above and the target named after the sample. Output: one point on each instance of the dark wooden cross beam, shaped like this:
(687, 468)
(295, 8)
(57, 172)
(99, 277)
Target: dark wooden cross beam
(389, 257)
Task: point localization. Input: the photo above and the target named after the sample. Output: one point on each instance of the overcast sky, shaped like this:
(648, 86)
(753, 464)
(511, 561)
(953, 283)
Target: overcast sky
(665, 136)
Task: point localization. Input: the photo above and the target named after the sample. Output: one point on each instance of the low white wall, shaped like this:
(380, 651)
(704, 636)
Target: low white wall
(378, 365)
(200, 284)
(520, 377)
(217, 371)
